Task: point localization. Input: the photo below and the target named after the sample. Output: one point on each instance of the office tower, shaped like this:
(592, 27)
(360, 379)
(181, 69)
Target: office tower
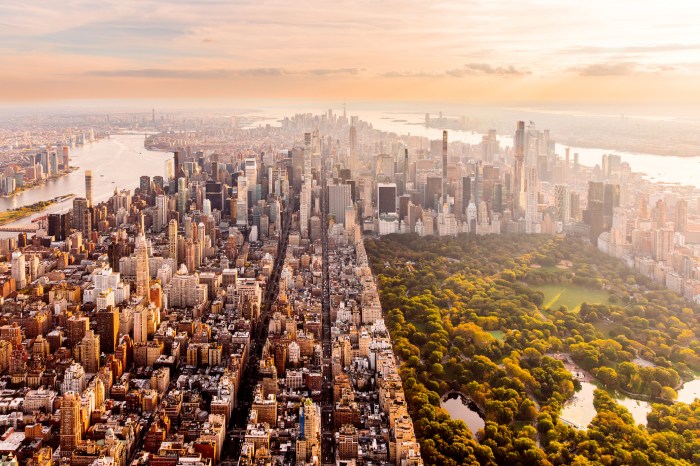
(58, 226)
(562, 202)
(497, 201)
(142, 273)
(386, 198)
(443, 201)
(140, 325)
(518, 172)
(575, 205)
(433, 188)
(681, 215)
(531, 205)
(145, 184)
(611, 199)
(353, 148)
(176, 165)
(182, 196)
(251, 175)
(201, 234)
(215, 194)
(70, 423)
(88, 187)
(65, 157)
(161, 216)
(82, 217)
(89, 351)
(566, 166)
(108, 328)
(339, 198)
(158, 184)
(489, 145)
(19, 272)
(172, 240)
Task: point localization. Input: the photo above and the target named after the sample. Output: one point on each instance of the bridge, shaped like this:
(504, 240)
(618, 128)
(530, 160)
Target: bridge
(20, 228)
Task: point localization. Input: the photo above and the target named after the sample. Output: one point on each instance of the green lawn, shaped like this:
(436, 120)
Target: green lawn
(497, 334)
(571, 296)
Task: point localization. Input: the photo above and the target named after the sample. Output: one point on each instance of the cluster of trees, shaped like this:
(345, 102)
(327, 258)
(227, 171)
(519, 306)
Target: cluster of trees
(443, 298)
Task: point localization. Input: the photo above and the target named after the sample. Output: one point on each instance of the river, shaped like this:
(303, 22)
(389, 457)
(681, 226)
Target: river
(117, 162)
(660, 168)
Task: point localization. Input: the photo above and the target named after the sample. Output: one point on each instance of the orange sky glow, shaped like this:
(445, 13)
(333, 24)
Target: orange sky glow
(466, 51)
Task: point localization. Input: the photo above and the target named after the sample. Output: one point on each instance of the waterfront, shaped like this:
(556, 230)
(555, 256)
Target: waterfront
(658, 168)
(116, 162)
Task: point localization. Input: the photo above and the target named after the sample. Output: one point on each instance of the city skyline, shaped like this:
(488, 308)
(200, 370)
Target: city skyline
(480, 52)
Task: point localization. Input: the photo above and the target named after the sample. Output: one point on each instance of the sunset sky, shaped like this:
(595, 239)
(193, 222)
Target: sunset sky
(473, 51)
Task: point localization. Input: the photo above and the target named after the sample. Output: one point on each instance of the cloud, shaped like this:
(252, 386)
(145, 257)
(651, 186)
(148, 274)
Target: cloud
(470, 69)
(659, 48)
(620, 69)
(195, 74)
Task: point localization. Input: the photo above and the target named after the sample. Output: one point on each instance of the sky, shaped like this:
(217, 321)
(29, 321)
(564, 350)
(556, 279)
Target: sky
(486, 52)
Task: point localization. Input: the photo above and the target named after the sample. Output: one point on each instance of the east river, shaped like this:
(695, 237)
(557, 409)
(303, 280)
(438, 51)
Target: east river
(117, 162)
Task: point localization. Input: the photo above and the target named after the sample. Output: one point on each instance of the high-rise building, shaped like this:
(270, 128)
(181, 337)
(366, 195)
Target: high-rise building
(142, 273)
(172, 240)
(562, 202)
(681, 215)
(161, 212)
(82, 217)
(58, 226)
(386, 198)
(70, 423)
(181, 196)
(518, 172)
(339, 198)
(443, 201)
(145, 184)
(88, 187)
(140, 325)
(89, 350)
(531, 204)
(19, 271)
(108, 328)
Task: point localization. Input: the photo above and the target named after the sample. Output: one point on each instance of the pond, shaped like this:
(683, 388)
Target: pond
(579, 410)
(460, 407)
(690, 391)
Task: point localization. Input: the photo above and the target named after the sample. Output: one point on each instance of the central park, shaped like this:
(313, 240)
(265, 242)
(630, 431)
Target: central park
(517, 325)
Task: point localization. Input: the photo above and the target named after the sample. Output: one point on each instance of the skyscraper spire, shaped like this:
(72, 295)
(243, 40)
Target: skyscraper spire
(444, 168)
(142, 272)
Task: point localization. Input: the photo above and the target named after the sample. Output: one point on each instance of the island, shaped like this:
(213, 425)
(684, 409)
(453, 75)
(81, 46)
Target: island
(25, 211)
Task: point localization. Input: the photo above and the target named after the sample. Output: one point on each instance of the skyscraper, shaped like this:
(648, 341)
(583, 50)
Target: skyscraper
(562, 202)
(681, 215)
(444, 169)
(58, 226)
(108, 328)
(518, 172)
(70, 423)
(172, 240)
(19, 272)
(386, 198)
(161, 212)
(531, 204)
(88, 187)
(339, 198)
(82, 217)
(142, 274)
(89, 351)
(181, 196)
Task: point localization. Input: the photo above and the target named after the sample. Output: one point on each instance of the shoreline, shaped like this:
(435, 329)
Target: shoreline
(43, 182)
(27, 211)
